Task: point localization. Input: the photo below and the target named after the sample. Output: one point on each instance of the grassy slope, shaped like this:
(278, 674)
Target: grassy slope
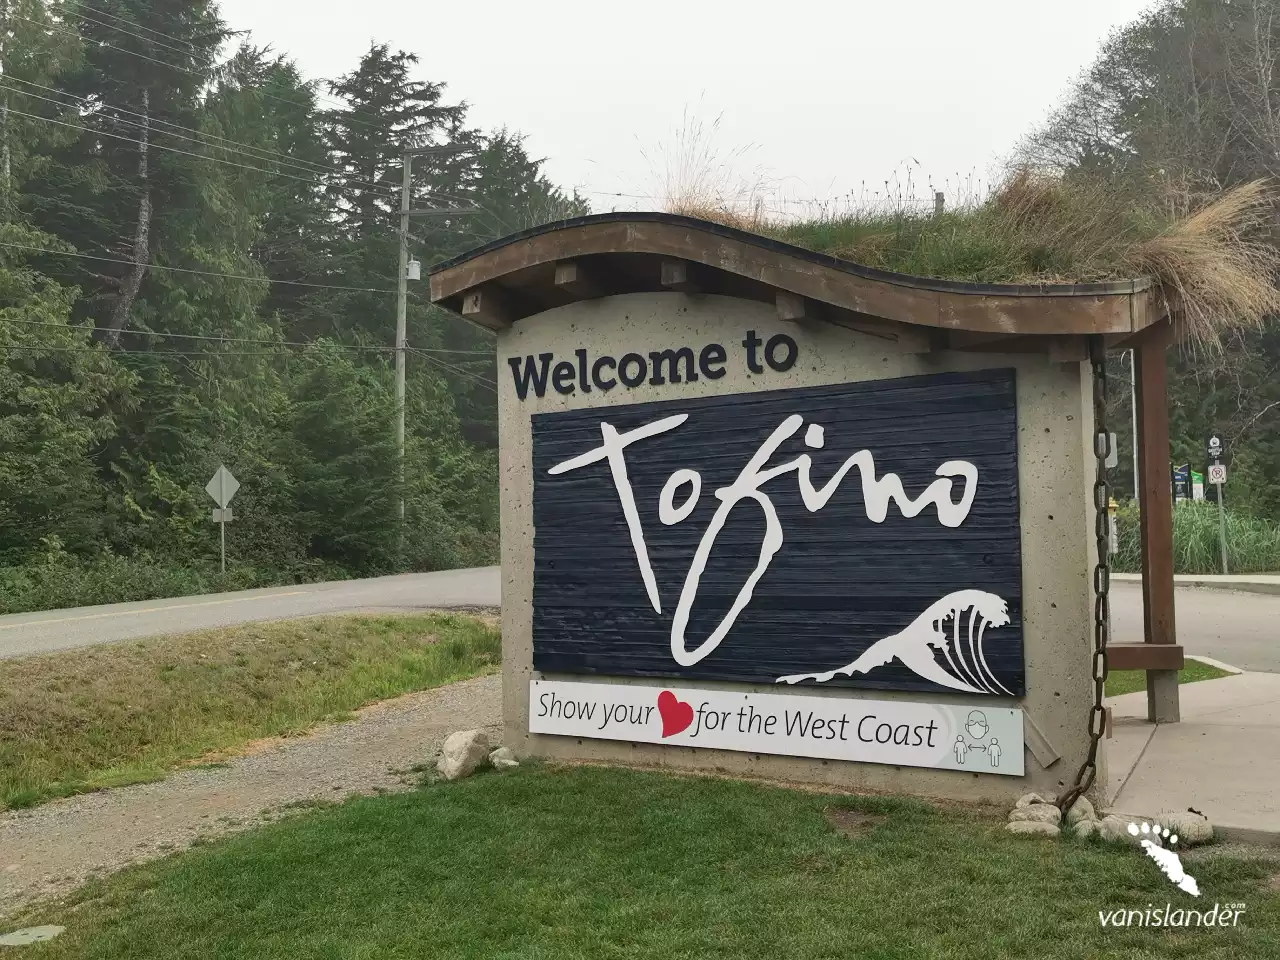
(127, 712)
(595, 863)
(1130, 681)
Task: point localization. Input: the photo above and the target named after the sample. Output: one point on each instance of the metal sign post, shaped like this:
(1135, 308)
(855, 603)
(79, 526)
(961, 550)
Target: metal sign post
(1218, 477)
(222, 488)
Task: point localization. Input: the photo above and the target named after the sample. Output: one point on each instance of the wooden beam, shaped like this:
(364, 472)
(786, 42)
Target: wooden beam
(1068, 349)
(1144, 656)
(1155, 505)
(488, 306)
(579, 281)
(1040, 309)
(978, 342)
(791, 307)
(677, 275)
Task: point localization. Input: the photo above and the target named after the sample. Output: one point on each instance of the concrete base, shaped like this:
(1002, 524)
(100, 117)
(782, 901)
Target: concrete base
(1162, 696)
(1221, 759)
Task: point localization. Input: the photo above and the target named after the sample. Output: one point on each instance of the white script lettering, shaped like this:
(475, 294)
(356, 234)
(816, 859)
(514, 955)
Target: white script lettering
(877, 493)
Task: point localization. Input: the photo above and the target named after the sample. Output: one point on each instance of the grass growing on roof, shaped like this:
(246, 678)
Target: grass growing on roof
(127, 712)
(1211, 260)
(597, 863)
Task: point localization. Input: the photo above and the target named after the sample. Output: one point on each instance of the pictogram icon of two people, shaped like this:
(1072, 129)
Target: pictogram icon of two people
(977, 728)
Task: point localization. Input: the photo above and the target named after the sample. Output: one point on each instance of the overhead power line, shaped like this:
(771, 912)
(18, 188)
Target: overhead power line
(158, 146)
(483, 381)
(111, 16)
(212, 355)
(190, 47)
(203, 156)
(247, 150)
(202, 273)
(195, 73)
(218, 338)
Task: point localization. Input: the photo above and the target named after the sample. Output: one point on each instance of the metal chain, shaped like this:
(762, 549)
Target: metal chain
(1101, 575)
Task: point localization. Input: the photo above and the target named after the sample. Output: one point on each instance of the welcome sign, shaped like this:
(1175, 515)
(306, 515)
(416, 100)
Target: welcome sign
(903, 733)
(859, 534)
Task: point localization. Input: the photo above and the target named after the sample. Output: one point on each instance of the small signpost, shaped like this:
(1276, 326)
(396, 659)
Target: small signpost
(1218, 477)
(222, 488)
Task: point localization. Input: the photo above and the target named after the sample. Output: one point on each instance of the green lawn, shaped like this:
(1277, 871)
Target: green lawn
(554, 864)
(1131, 681)
(127, 712)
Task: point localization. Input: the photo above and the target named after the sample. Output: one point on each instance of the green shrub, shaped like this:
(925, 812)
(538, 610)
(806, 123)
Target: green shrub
(1253, 543)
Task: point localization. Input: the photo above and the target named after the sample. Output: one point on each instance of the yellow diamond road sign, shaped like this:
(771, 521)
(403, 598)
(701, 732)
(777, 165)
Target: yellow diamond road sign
(222, 487)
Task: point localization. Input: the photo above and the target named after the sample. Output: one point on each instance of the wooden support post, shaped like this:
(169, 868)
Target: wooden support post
(575, 279)
(1156, 507)
(676, 275)
(488, 306)
(791, 307)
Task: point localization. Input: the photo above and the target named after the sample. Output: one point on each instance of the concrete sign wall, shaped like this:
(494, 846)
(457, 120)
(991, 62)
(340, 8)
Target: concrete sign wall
(993, 520)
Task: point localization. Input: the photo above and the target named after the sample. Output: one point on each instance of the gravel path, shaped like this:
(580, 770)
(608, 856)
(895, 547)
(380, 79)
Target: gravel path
(51, 849)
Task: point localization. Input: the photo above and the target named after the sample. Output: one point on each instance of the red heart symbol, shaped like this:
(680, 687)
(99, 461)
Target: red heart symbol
(676, 714)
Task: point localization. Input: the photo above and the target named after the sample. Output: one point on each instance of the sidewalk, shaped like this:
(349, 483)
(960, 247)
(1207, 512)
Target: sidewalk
(1247, 583)
(1223, 759)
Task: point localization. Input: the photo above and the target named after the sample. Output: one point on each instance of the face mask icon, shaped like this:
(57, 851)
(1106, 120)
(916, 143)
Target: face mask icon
(977, 725)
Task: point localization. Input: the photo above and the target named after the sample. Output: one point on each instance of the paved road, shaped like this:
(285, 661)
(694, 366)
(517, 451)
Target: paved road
(25, 633)
(1242, 629)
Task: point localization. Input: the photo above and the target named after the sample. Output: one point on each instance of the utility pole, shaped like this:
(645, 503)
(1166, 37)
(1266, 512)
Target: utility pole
(402, 313)
(402, 284)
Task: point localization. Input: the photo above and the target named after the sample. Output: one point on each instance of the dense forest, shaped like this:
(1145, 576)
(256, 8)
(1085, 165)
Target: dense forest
(198, 265)
(1178, 106)
(198, 258)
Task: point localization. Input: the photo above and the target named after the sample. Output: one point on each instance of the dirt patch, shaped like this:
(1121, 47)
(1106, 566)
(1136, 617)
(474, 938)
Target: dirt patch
(852, 823)
(49, 850)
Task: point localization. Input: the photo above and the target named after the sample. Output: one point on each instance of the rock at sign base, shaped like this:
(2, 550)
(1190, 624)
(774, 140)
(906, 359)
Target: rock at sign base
(1085, 828)
(1036, 813)
(1028, 800)
(1116, 828)
(1033, 828)
(20, 938)
(1191, 828)
(1082, 809)
(503, 759)
(462, 754)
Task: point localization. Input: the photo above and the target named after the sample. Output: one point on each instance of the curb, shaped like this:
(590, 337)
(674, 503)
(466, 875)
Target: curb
(1186, 580)
(1254, 836)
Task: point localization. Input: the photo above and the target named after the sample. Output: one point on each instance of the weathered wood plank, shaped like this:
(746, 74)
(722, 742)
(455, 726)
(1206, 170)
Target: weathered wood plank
(678, 275)
(908, 300)
(578, 280)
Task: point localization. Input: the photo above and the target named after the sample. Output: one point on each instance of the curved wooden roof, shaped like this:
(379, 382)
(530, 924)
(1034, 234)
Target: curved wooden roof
(605, 254)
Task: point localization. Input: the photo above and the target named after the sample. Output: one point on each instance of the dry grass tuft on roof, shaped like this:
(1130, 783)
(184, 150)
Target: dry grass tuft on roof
(1216, 266)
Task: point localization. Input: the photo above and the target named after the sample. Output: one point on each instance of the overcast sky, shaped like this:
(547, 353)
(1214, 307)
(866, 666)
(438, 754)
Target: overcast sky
(814, 97)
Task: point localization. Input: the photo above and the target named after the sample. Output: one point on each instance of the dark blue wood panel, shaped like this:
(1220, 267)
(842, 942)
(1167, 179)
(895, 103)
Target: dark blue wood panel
(839, 582)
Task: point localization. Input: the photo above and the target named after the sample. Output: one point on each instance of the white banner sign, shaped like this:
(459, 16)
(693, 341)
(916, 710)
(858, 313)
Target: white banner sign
(897, 732)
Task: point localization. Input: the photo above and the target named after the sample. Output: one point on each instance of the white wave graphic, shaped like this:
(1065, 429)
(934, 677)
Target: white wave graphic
(914, 647)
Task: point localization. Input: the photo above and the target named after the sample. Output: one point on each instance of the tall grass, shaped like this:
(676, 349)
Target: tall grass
(1210, 256)
(126, 712)
(1253, 544)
